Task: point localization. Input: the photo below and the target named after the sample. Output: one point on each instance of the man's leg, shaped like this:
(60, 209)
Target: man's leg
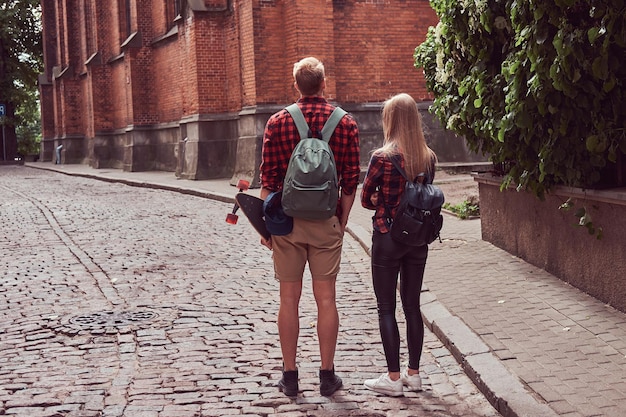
(327, 320)
(289, 322)
(327, 329)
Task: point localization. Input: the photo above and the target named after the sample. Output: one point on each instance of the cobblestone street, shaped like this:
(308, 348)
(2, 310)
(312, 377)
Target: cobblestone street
(127, 301)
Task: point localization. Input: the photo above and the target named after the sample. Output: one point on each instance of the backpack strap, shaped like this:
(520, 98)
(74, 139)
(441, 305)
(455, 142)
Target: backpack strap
(404, 174)
(303, 127)
(331, 123)
(299, 120)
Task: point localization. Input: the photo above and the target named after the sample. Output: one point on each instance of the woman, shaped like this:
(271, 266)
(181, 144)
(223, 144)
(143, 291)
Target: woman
(382, 189)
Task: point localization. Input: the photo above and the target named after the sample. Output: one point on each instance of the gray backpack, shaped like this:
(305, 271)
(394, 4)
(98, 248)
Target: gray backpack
(310, 188)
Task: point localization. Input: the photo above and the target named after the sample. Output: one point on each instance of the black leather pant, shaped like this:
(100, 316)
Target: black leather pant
(390, 259)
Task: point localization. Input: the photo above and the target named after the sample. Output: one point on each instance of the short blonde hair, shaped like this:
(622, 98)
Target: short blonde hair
(309, 75)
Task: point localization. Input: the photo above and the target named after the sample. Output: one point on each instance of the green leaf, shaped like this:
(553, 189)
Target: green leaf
(567, 205)
(593, 34)
(612, 156)
(600, 233)
(542, 33)
(501, 134)
(591, 143)
(580, 212)
(600, 67)
(609, 84)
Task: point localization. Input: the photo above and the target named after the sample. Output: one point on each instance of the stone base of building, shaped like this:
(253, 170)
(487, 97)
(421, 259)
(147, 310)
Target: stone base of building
(64, 150)
(550, 238)
(224, 145)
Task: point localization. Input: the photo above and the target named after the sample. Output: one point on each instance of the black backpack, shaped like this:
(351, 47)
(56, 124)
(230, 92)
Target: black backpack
(418, 220)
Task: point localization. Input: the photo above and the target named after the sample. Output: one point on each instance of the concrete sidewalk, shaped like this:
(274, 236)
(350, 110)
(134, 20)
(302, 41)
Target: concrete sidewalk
(533, 345)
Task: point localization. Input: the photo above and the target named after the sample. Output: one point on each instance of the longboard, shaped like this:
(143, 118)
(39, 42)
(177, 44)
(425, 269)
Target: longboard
(252, 207)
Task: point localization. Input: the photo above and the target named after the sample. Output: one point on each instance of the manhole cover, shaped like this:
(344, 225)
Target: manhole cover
(113, 318)
(111, 322)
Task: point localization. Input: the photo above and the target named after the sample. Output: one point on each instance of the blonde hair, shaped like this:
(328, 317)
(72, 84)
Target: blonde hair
(309, 75)
(403, 134)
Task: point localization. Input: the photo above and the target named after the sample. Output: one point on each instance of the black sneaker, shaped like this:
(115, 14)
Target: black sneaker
(329, 382)
(288, 384)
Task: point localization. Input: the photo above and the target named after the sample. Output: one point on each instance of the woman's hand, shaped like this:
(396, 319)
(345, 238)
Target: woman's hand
(374, 198)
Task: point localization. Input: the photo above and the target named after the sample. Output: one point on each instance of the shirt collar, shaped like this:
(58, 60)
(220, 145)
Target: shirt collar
(312, 99)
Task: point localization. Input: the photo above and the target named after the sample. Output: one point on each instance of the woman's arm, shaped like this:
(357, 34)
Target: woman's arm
(371, 184)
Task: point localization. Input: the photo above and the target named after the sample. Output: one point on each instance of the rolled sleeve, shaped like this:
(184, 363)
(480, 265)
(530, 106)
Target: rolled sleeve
(271, 171)
(371, 182)
(351, 166)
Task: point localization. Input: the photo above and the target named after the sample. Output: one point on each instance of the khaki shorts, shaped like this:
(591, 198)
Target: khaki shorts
(317, 242)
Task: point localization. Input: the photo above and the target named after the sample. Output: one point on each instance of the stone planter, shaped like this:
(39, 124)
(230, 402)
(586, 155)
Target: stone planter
(541, 234)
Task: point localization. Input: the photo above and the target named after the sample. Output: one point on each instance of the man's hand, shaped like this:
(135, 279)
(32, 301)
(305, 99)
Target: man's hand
(346, 202)
(263, 195)
(267, 243)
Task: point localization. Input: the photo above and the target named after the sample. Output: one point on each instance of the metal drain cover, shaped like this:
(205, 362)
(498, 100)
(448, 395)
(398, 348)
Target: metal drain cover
(112, 322)
(113, 318)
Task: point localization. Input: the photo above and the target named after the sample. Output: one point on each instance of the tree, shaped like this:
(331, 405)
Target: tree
(21, 62)
(537, 85)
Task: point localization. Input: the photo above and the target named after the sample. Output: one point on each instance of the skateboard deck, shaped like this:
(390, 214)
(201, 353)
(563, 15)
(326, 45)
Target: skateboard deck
(252, 207)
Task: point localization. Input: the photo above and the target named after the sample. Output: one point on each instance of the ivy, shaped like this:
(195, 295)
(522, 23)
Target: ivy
(539, 86)
(583, 217)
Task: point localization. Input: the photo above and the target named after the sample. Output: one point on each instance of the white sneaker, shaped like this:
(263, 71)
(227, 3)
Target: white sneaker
(385, 385)
(414, 382)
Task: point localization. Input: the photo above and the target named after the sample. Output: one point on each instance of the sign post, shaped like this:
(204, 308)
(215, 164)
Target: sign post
(3, 113)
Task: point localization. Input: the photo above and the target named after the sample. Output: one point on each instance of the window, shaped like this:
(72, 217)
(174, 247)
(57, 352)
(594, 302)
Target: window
(173, 9)
(124, 19)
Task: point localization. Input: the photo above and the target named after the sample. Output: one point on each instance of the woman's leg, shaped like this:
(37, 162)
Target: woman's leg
(385, 268)
(411, 278)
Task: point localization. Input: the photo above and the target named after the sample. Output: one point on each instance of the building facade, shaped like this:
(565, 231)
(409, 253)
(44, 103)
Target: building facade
(187, 85)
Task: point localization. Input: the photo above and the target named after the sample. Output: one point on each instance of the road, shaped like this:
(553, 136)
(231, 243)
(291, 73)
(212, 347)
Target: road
(126, 301)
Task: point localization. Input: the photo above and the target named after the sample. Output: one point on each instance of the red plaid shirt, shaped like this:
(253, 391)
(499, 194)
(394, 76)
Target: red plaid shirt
(281, 136)
(384, 178)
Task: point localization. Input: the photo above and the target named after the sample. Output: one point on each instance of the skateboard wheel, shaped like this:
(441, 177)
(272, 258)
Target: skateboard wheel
(243, 184)
(232, 218)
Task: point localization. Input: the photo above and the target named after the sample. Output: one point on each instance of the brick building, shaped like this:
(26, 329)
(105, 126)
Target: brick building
(187, 85)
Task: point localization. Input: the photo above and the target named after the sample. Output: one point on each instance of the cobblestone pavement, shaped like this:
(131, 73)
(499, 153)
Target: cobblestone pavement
(125, 301)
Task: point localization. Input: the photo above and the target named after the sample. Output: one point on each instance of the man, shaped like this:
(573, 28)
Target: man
(317, 242)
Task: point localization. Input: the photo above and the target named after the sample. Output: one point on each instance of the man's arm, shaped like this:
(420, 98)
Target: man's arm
(346, 201)
(268, 169)
(351, 170)
(264, 193)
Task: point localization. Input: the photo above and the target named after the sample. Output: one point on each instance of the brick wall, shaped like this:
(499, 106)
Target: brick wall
(376, 41)
(247, 47)
(168, 71)
(217, 58)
